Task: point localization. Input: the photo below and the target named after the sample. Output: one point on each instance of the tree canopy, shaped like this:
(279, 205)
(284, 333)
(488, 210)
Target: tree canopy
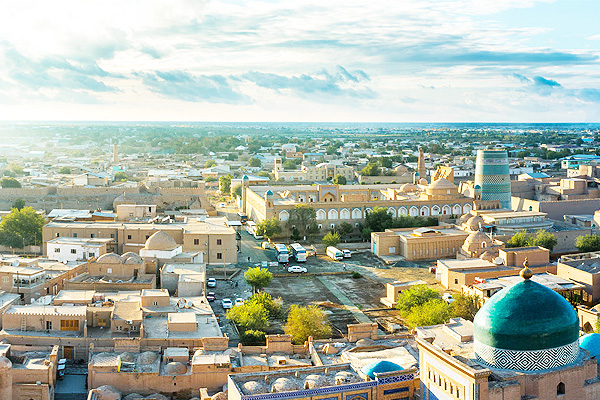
(433, 312)
(331, 239)
(258, 278)
(9, 183)
(225, 183)
(21, 228)
(254, 162)
(379, 219)
(268, 228)
(252, 316)
(540, 238)
(18, 204)
(416, 295)
(588, 243)
(304, 218)
(372, 169)
(236, 191)
(303, 322)
(210, 163)
(339, 180)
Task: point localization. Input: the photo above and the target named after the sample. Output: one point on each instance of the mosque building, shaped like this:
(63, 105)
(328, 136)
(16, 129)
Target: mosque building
(523, 344)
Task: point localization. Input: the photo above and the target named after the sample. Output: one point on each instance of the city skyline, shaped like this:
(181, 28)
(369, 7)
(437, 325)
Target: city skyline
(418, 61)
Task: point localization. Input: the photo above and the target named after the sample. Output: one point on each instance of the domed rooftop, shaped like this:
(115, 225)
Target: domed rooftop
(474, 222)
(380, 367)
(591, 342)
(110, 258)
(284, 385)
(442, 183)
(160, 241)
(526, 327)
(5, 362)
(476, 241)
(408, 187)
(131, 258)
(175, 368)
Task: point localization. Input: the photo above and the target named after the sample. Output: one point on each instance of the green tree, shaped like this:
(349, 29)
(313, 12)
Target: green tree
(304, 218)
(433, 312)
(9, 183)
(252, 337)
(372, 169)
(21, 228)
(339, 180)
(268, 228)
(272, 305)
(295, 234)
(249, 316)
(386, 162)
(344, 229)
(519, 239)
(289, 164)
(416, 296)
(303, 322)
(64, 170)
(378, 220)
(210, 163)
(331, 239)
(120, 176)
(18, 204)
(210, 179)
(465, 306)
(254, 162)
(544, 239)
(588, 243)
(236, 191)
(258, 278)
(225, 183)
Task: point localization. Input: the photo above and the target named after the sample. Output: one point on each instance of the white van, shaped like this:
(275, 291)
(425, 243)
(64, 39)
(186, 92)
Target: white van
(347, 253)
(334, 253)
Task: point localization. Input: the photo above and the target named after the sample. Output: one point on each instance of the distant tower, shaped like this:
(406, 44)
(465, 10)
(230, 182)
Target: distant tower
(245, 184)
(491, 174)
(278, 164)
(115, 154)
(421, 165)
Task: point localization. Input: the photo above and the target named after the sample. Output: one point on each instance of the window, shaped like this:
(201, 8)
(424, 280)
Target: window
(128, 237)
(57, 234)
(69, 325)
(147, 237)
(219, 242)
(73, 251)
(133, 328)
(219, 256)
(5, 279)
(155, 303)
(92, 236)
(48, 325)
(196, 242)
(74, 235)
(109, 270)
(560, 389)
(112, 235)
(456, 281)
(57, 250)
(119, 328)
(101, 321)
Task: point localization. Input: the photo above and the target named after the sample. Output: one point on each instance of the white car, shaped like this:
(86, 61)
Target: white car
(447, 297)
(347, 253)
(211, 282)
(239, 301)
(297, 269)
(227, 304)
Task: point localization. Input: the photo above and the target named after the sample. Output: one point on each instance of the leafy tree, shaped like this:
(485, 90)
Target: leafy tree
(588, 243)
(64, 170)
(18, 204)
(210, 163)
(372, 169)
(519, 239)
(303, 322)
(289, 164)
(295, 234)
(253, 337)
(8, 183)
(339, 180)
(264, 174)
(236, 191)
(304, 218)
(120, 176)
(268, 228)
(258, 278)
(544, 239)
(225, 183)
(344, 229)
(249, 316)
(415, 296)
(272, 305)
(21, 228)
(433, 312)
(378, 220)
(386, 162)
(210, 179)
(465, 306)
(331, 239)
(254, 162)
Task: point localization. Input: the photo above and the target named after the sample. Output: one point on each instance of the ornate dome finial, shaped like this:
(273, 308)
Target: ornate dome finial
(526, 272)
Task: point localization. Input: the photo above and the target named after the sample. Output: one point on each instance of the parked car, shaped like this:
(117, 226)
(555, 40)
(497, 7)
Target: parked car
(447, 297)
(297, 269)
(239, 301)
(227, 304)
(211, 282)
(211, 296)
(347, 253)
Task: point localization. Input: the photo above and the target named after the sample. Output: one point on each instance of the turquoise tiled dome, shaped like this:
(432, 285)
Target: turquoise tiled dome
(591, 342)
(526, 316)
(380, 367)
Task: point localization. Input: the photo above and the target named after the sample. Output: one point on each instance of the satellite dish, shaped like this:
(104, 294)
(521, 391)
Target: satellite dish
(189, 304)
(15, 263)
(498, 260)
(170, 268)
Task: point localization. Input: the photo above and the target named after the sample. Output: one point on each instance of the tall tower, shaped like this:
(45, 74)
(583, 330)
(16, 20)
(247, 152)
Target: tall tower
(491, 174)
(421, 165)
(245, 184)
(115, 157)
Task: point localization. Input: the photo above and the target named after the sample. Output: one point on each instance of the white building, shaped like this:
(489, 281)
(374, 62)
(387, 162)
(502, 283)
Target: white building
(65, 249)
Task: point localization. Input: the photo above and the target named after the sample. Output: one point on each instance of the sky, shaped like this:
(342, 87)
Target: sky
(301, 60)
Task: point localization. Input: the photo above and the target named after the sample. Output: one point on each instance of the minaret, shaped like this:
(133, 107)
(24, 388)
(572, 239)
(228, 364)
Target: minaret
(115, 154)
(245, 184)
(421, 165)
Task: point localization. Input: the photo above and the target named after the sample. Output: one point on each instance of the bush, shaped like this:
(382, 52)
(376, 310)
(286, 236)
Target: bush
(356, 275)
(303, 322)
(331, 239)
(253, 337)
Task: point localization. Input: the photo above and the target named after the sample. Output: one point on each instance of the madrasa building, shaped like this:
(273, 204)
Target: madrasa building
(522, 344)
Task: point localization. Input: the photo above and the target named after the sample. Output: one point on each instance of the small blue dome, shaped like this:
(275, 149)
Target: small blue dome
(477, 187)
(379, 367)
(591, 342)
(245, 177)
(269, 193)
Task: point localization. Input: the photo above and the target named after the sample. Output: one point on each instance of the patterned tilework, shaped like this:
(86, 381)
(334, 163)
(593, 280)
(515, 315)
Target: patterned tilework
(526, 360)
(312, 392)
(492, 174)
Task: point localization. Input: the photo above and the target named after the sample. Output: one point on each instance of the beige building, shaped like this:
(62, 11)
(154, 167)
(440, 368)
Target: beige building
(418, 244)
(583, 268)
(394, 289)
(209, 235)
(311, 173)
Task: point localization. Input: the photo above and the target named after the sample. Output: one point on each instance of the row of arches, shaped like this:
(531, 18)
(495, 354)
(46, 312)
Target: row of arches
(413, 211)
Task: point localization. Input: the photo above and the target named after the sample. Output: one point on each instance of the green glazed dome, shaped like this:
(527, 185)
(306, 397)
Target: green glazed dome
(526, 316)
